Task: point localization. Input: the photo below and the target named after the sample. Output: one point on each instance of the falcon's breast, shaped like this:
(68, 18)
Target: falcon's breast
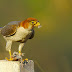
(20, 35)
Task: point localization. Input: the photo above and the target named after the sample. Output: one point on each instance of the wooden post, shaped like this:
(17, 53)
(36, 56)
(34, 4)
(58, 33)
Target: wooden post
(15, 66)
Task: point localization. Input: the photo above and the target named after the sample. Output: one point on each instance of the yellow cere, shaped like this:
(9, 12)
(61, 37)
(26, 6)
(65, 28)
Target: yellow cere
(37, 24)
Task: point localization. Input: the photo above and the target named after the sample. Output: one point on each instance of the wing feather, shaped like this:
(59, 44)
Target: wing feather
(32, 35)
(10, 28)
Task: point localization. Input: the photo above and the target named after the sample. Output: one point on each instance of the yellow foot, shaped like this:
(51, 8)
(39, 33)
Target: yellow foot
(11, 59)
(25, 61)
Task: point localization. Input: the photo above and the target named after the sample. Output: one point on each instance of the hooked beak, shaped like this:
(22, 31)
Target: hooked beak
(37, 25)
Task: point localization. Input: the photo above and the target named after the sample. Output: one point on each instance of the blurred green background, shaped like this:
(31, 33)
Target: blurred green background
(51, 48)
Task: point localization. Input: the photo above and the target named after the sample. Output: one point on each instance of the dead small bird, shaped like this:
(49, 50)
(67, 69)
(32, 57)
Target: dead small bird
(19, 31)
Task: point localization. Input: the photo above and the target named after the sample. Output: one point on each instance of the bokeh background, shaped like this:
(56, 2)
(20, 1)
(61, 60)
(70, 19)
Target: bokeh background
(51, 48)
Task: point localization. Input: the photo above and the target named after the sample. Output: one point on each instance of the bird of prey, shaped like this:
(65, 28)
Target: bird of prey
(19, 31)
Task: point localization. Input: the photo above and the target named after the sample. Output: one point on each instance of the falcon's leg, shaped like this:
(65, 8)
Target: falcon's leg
(20, 48)
(10, 54)
(8, 48)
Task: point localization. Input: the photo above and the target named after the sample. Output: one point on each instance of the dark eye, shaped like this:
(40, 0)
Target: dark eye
(32, 22)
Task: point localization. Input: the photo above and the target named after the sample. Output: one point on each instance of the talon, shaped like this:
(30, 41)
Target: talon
(25, 61)
(11, 59)
(6, 58)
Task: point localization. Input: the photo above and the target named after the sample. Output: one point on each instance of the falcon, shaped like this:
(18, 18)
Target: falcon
(19, 31)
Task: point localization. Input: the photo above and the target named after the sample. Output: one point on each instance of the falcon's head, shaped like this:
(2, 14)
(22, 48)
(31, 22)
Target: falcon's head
(30, 23)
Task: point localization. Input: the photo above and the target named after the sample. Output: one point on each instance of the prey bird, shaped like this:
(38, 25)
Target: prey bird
(19, 31)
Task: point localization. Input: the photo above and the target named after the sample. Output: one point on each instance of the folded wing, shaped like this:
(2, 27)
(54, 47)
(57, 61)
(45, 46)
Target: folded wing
(32, 35)
(10, 29)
